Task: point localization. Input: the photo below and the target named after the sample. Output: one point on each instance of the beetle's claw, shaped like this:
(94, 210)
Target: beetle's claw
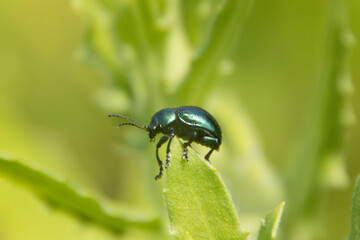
(185, 156)
(160, 174)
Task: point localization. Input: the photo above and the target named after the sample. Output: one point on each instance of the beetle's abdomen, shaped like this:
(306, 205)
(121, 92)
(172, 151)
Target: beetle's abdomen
(200, 118)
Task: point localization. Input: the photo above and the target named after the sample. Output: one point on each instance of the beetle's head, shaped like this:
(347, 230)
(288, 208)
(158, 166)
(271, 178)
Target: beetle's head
(154, 128)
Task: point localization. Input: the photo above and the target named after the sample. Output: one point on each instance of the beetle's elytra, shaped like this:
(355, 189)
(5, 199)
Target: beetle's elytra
(192, 124)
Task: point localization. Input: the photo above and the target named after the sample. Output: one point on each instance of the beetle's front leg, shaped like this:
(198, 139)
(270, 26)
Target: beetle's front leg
(158, 145)
(172, 135)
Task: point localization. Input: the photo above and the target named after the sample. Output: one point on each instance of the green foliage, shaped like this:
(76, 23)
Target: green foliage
(318, 158)
(225, 31)
(355, 213)
(270, 225)
(198, 203)
(159, 53)
(64, 197)
(161, 58)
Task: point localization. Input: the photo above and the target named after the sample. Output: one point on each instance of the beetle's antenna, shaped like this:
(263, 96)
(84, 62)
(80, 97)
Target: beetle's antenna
(135, 124)
(132, 124)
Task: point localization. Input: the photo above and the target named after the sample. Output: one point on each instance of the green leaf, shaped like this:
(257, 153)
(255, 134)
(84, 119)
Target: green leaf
(61, 195)
(355, 213)
(198, 203)
(270, 225)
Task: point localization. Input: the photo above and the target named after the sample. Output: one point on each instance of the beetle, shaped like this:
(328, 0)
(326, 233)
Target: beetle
(190, 123)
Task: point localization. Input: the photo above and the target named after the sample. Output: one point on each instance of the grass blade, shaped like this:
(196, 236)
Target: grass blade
(62, 196)
(198, 203)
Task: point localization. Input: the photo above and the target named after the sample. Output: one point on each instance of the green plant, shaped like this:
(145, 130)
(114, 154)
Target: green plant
(168, 53)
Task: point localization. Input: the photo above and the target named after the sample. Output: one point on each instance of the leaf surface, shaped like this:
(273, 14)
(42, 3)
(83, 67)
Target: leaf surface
(198, 202)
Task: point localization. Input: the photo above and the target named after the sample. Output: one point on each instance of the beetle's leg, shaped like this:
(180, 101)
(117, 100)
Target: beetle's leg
(186, 144)
(207, 156)
(172, 135)
(211, 142)
(158, 145)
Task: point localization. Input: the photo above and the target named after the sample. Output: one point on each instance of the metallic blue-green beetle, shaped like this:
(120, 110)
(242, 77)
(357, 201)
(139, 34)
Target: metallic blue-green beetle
(192, 124)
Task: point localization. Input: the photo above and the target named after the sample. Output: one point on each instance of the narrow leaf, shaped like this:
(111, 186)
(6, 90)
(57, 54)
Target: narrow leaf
(198, 18)
(198, 203)
(355, 213)
(318, 158)
(270, 225)
(224, 33)
(61, 195)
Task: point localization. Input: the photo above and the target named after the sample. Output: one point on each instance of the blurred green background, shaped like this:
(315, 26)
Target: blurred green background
(55, 93)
